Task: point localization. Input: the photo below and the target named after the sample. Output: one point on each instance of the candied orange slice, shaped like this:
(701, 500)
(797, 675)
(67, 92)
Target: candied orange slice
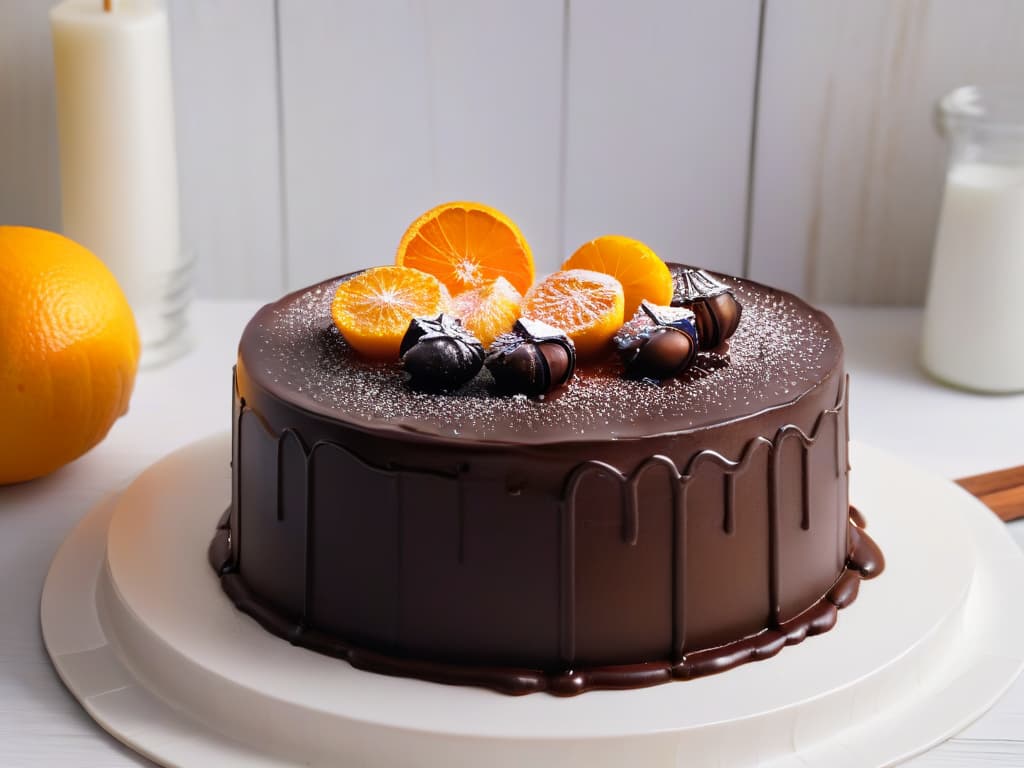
(587, 305)
(490, 310)
(643, 275)
(466, 245)
(373, 309)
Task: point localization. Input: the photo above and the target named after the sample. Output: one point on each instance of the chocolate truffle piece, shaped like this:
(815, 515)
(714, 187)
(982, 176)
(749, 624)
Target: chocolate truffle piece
(712, 301)
(658, 342)
(534, 359)
(439, 354)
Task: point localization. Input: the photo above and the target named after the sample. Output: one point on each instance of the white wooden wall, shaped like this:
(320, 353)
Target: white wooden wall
(312, 131)
(393, 106)
(849, 167)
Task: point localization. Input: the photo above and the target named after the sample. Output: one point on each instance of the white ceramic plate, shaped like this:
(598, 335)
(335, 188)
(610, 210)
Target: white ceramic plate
(140, 632)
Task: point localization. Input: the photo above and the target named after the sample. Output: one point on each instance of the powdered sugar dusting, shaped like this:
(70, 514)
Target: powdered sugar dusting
(781, 349)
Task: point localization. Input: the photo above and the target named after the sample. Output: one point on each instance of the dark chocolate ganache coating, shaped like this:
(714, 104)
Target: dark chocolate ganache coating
(292, 350)
(616, 534)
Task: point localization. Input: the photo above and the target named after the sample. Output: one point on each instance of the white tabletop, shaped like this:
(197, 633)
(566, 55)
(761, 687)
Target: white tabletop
(893, 406)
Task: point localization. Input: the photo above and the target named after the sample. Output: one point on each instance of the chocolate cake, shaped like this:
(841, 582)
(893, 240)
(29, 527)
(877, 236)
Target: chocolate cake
(617, 533)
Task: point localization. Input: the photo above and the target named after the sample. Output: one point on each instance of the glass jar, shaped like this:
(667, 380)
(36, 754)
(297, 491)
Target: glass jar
(973, 334)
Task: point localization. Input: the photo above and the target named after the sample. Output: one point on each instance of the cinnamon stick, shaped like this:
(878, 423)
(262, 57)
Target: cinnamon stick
(1002, 491)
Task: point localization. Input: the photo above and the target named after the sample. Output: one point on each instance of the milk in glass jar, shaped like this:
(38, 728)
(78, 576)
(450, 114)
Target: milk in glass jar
(973, 334)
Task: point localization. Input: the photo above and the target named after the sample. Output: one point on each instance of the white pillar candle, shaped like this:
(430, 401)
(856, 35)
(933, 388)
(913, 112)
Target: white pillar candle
(115, 113)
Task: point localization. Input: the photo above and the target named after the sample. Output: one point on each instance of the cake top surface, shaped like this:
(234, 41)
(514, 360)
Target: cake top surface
(782, 349)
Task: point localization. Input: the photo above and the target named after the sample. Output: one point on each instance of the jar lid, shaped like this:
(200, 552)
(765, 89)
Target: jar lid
(990, 111)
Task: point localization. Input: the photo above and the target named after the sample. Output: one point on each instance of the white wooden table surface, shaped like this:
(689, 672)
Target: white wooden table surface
(893, 406)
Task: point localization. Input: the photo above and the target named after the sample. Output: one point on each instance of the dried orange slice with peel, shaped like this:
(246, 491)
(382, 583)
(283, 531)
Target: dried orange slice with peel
(373, 309)
(643, 275)
(490, 310)
(586, 305)
(466, 245)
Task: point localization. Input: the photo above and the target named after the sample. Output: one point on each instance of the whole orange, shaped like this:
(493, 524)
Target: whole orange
(69, 350)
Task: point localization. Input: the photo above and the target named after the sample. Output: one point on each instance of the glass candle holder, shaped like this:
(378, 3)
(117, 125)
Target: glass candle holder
(973, 334)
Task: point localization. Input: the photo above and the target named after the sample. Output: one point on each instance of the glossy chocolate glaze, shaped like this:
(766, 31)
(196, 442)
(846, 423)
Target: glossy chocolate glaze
(865, 562)
(783, 348)
(619, 535)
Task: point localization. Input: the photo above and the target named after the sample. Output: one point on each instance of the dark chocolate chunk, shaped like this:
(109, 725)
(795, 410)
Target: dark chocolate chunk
(535, 358)
(666, 353)
(439, 354)
(712, 301)
(658, 342)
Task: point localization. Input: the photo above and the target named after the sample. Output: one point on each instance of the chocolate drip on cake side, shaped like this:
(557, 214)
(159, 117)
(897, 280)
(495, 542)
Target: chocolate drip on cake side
(680, 482)
(225, 551)
(864, 562)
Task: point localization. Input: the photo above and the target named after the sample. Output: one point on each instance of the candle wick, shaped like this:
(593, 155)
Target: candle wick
(108, 5)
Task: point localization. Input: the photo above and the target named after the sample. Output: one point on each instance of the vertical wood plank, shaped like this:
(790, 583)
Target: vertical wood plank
(29, 169)
(659, 116)
(394, 106)
(496, 85)
(356, 131)
(226, 114)
(849, 168)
